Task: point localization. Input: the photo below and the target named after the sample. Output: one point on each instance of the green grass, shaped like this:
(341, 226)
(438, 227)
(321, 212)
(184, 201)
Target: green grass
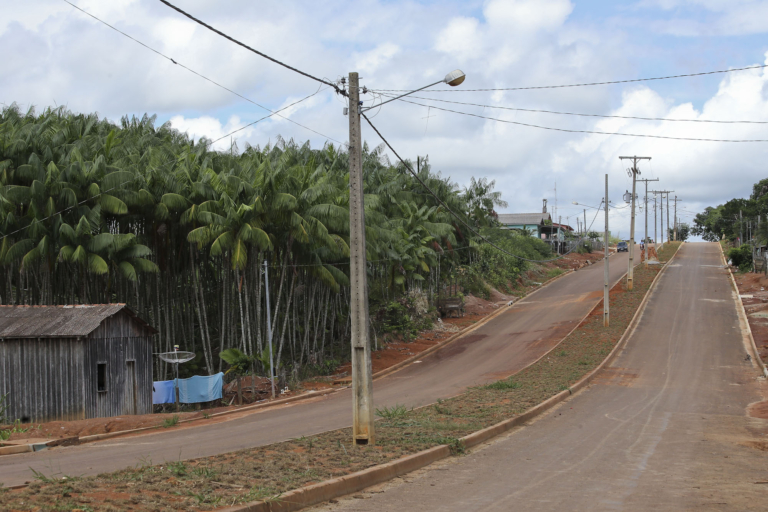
(392, 413)
(502, 384)
(554, 272)
(171, 422)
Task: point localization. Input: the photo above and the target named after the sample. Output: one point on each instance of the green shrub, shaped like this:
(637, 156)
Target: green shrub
(741, 257)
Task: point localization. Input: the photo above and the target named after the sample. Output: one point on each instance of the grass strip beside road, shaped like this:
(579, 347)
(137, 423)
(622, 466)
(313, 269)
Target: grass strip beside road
(267, 471)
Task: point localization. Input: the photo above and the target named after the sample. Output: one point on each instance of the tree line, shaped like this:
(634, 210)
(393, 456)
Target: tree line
(93, 211)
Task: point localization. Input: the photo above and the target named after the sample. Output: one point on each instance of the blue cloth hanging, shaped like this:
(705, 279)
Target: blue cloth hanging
(162, 392)
(201, 389)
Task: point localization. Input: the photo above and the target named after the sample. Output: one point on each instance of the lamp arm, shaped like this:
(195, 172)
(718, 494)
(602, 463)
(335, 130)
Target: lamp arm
(398, 97)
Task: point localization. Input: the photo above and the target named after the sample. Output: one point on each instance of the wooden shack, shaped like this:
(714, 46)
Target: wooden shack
(74, 362)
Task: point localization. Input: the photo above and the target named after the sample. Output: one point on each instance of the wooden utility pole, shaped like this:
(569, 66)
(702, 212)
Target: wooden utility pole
(634, 171)
(606, 312)
(645, 240)
(362, 381)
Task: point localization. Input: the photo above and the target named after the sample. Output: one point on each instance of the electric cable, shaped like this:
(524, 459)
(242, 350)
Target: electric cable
(257, 52)
(448, 209)
(758, 66)
(540, 111)
(529, 125)
(201, 75)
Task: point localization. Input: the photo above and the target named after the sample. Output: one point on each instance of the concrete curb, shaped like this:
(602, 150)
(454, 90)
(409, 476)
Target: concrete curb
(746, 330)
(36, 447)
(324, 491)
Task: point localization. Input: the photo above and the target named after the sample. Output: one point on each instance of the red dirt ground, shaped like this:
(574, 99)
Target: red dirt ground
(756, 307)
(388, 355)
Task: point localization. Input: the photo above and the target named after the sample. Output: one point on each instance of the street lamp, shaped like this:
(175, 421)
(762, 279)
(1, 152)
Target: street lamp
(362, 378)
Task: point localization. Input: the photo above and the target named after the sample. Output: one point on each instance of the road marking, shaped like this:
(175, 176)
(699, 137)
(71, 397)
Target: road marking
(713, 300)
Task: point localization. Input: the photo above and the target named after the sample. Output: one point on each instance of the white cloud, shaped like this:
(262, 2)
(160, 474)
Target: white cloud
(369, 62)
(55, 53)
(527, 15)
(210, 128)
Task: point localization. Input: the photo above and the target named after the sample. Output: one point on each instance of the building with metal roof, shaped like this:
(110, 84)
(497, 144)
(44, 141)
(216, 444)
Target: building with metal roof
(74, 362)
(532, 222)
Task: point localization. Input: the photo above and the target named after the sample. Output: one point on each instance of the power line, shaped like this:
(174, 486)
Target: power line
(760, 66)
(201, 75)
(119, 185)
(581, 115)
(257, 52)
(581, 131)
(447, 208)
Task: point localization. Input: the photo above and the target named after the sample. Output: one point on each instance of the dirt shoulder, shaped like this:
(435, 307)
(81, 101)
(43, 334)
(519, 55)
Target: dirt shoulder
(753, 289)
(267, 471)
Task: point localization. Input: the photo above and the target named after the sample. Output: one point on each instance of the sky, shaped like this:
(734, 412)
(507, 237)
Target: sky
(54, 54)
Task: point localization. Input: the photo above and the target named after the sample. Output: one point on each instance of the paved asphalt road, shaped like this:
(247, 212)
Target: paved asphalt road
(501, 347)
(664, 428)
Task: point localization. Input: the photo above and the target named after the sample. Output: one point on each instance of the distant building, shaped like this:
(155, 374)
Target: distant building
(534, 223)
(74, 362)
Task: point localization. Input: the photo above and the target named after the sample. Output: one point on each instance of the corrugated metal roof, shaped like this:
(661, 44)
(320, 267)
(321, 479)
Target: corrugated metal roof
(523, 218)
(57, 321)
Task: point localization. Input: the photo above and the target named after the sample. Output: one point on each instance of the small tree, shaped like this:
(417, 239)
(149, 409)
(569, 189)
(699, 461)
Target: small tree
(683, 232)
(238, 363)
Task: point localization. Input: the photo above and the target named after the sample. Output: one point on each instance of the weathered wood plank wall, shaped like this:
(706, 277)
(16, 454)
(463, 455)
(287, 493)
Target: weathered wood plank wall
(43, 378)
(57, 378)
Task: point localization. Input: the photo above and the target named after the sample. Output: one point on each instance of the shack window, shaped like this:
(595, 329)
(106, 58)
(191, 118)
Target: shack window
(101, 377)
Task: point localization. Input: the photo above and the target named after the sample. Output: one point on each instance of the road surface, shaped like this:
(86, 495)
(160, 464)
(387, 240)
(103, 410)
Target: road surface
(664, 428)
(498, 349)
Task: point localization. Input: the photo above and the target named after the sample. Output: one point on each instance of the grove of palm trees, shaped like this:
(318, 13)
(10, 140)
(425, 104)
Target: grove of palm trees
(96, 212)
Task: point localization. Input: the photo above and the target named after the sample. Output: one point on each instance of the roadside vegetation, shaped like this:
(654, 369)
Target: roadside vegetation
(739, 218)
(265, 472)
(93, 211)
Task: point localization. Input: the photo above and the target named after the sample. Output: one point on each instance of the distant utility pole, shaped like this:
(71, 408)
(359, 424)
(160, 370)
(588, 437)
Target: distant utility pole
(362, 381)
(585, 222)
(675, 224)
(633, 171)
(661, 211)
(645, 240)
(655, 235)
(606, 315)
(668, 214)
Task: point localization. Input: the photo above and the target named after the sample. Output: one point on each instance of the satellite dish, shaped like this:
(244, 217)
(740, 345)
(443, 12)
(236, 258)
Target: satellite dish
(176, 357)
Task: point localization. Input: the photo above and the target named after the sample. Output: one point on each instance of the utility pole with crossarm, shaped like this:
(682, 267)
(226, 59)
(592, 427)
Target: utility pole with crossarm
(633, 171)
(645, 240)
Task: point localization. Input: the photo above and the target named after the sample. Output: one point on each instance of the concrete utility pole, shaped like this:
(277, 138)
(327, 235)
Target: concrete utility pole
(675, 223)
(269, 332)
(362, 381)
(655, 234)
(741, 230)
(668, 214)
(661, 211)
(634, 171)
(645, 240)
(606, 312)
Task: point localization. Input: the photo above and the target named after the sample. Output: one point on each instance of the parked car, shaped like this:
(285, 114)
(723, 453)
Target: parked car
(622, 247)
